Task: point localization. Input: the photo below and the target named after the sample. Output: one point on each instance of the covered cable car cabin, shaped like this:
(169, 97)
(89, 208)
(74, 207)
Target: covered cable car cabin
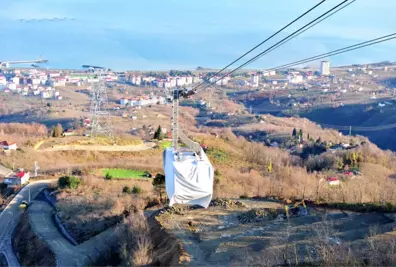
(188, 172)
(188, 177)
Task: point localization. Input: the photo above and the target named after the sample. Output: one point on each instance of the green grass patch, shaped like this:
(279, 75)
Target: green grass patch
(165, 144)
(123, 173)
(217, 155)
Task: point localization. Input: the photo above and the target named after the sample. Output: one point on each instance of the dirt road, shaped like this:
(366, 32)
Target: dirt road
(216, 237)
(130, 148)
(4, 171)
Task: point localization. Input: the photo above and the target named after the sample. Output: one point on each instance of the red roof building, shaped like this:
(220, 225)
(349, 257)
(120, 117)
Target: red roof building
(8, 145)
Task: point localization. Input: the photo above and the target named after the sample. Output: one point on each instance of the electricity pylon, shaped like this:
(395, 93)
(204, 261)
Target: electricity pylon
(100, 115)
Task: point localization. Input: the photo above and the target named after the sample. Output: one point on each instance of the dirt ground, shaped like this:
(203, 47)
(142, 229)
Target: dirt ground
(216, 236)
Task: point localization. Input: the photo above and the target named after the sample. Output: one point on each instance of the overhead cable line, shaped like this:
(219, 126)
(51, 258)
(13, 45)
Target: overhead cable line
(293, 35)
(339, 51)
(266, 40)
(329, 15)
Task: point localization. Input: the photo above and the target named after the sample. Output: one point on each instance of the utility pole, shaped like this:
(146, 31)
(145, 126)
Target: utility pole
(29, 195)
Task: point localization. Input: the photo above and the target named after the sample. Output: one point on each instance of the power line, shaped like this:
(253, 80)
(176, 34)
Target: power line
(293, 35)
(266, 40)
(339, 51)
(329, 15)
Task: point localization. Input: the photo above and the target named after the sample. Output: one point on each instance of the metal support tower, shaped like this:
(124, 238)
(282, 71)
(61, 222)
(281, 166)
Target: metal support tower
(175, 119)
(100, 115)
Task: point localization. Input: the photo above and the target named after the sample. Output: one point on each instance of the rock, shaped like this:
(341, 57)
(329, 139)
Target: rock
(257, 215)
(226, 203)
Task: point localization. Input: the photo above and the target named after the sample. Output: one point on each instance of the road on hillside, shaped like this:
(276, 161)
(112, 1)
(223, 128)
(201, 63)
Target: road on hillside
(4, 171)
(11, 215)
(85, 254)
(130, 148)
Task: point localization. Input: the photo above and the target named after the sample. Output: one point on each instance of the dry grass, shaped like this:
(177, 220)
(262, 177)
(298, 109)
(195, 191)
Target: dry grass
(135, 241)
(323, 248)
(97, 205)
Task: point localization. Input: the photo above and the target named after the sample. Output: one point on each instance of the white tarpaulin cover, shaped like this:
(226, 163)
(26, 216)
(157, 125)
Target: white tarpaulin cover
(188, 180)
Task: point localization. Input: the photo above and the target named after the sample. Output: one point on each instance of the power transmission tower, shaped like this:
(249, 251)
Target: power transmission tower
(36, 168)
(100, 115)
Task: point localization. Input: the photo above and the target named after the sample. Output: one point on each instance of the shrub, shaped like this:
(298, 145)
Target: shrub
(77, 172)
(127, 190)
(217, 172)
(244, 196)
(137, 190)
(108, 176)
(159, 180)
(70, 182)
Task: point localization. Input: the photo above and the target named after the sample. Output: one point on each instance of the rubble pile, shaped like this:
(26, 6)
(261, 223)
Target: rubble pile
(257, 215)
(171, 211)
(226, 203)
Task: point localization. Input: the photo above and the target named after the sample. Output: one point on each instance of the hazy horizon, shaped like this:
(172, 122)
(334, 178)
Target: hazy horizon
(175, 34)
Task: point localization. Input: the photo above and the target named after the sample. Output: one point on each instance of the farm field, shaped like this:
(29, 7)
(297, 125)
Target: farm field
(124, 173)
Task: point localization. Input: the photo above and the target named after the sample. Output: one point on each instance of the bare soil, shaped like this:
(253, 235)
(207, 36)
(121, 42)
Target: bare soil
(218, 236)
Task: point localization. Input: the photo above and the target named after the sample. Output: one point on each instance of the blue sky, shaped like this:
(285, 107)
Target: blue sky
(184, 34)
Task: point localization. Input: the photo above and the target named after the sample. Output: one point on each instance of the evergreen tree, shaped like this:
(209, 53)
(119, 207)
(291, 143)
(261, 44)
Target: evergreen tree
(159, 135)
(300, 133)
(294, 132)
(159, 185)
(57, 130)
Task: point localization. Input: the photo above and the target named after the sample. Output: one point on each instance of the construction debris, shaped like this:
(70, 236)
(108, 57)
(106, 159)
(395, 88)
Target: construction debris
(227, 203)
(257, 215)
(171, 211)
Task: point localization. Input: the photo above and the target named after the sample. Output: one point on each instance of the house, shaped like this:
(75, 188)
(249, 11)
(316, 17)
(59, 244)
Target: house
(17, 179)
(69, 132)
(333, 181)
(8, 145)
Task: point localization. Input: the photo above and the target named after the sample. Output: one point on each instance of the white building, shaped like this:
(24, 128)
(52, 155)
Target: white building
(124, 101)
(254, 80)
(12, 86)
(269, 73)
(333, 181)
(8, 145)
(15, 80)
(3, 80)
(325, 68)
(47, 94)
(17, 179)
(296, 79)
(241, 83)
